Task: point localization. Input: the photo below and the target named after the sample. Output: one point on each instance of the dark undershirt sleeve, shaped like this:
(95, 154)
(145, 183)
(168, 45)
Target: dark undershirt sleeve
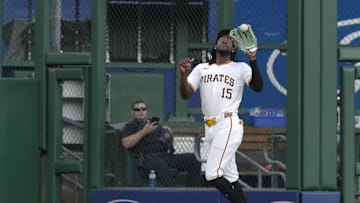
(256, 82)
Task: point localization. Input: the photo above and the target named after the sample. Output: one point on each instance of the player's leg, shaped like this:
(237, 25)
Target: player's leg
(231, 171)
(221, 165)
(214, 171)
(227, 189)
(238, 188)
(221, 157)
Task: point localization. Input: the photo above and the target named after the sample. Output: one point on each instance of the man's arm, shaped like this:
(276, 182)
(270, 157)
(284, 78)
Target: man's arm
(256, 82)
(185, 88)
(131, 140)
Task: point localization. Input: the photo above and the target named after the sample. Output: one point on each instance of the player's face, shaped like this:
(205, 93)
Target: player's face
(139, 111)
(224, 44)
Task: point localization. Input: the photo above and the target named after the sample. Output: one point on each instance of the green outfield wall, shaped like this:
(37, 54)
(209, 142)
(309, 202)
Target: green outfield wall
(19, 127)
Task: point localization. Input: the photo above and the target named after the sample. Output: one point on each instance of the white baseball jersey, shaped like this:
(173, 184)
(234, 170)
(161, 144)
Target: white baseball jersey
(221, 86)
(221, 89)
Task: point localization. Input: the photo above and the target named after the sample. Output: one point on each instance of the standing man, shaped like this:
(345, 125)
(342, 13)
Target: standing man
(221, 83)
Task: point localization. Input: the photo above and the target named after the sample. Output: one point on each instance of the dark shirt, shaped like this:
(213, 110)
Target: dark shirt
(149, 144)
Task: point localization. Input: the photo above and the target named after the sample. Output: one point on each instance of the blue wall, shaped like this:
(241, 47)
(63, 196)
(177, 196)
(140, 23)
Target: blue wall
(269, 24)
(209, 195)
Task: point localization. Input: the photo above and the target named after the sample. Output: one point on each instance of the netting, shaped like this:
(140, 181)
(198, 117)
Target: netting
(145, 31)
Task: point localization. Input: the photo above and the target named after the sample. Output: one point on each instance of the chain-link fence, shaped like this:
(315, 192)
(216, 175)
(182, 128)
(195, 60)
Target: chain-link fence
(69, 32)
(18, 34)
(146, 31)
(73, 136)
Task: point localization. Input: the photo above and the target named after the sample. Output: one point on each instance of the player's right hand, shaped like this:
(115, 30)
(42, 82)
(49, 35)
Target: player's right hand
(185, 64)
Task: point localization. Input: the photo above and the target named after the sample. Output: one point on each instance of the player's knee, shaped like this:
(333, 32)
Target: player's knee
(212, 175)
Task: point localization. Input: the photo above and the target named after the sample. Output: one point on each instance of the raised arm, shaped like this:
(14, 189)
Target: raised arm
(185, 89)
(256, 82)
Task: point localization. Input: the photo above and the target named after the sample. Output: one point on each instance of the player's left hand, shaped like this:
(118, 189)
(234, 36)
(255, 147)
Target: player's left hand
(251, 55)
(245, 40)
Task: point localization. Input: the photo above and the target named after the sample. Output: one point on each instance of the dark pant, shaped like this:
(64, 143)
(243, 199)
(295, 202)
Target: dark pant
(232, 191)
(168, 167)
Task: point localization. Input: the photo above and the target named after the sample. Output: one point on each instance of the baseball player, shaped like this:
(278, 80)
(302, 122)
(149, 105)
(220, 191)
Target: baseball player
(221, 83)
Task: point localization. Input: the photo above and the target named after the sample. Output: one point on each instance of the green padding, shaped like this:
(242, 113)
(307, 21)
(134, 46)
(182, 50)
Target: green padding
(126, 88)
(120, 166)
(68, 58)
(68, 166)
(310, 95)
(349, 53)
(311, 162)
(19, 131)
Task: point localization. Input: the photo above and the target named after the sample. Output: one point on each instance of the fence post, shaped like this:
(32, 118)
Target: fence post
(347, 133)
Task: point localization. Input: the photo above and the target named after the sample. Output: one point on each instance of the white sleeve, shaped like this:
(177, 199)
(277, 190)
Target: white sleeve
(247, 73)
(194, 77)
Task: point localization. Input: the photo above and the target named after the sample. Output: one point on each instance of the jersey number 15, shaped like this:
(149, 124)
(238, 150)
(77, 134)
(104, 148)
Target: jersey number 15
(226, 93)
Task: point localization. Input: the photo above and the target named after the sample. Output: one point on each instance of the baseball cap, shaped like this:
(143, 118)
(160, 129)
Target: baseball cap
(222, 33)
